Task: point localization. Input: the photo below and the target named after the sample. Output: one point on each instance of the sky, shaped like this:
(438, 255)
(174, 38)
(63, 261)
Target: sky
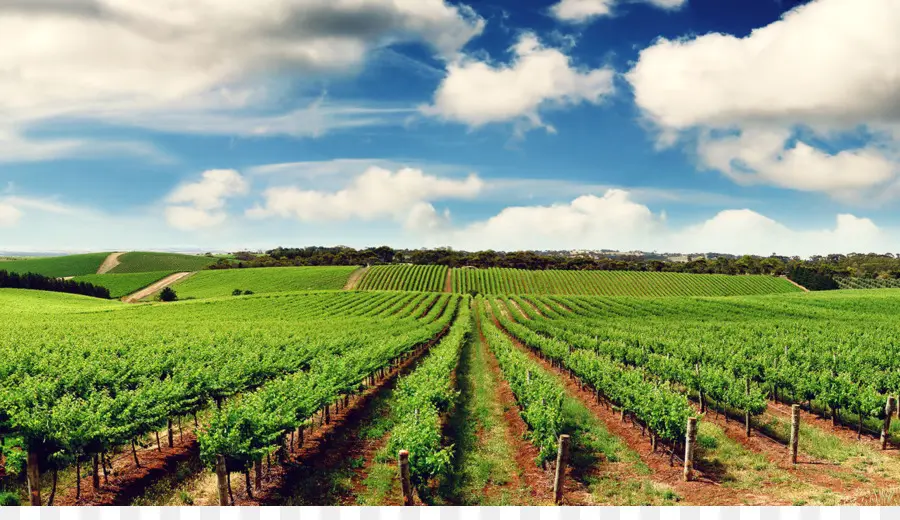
(743, 127)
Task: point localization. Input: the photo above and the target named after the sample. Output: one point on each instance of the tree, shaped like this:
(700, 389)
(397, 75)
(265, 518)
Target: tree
(168, 295)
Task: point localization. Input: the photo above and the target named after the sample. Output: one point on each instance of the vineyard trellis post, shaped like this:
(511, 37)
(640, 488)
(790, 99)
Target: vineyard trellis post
(221, 482)
(562, 459)
(889, 409)
(690, 440)
(405, 483)
(795, 432)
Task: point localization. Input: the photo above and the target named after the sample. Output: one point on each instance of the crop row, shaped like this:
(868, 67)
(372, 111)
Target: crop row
(404, 278)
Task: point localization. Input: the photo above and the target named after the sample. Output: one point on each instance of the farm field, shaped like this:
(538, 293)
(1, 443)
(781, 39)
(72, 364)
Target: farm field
(863, 283)
(613, 283)
(120, 285)
(56, 266)
(477, 389)
(222, 282)
(143, 262)
(404, 278)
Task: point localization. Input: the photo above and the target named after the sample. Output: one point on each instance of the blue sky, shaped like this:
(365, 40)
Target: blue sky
(671, 125)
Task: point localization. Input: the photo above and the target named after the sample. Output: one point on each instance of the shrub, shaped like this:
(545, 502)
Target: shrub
(9, 499)
(237, 292)
(168, 295)
(248, 292)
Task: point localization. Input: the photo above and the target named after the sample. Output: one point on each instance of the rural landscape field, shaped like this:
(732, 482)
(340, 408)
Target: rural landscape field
(302, 385)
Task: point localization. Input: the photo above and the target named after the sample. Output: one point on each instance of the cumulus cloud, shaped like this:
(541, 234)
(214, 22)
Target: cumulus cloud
(615, 221)
(825, 67)
(200, 204)
(579, 11)
(539, 78)
(404, 196)
(128, 62)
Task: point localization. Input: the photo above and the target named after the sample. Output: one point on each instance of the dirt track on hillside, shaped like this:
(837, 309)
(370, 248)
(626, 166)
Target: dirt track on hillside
(158, 286)
(354, 279)
(111, 262)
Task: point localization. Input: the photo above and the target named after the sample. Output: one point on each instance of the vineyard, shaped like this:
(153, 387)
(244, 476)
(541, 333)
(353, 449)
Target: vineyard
(404, 278)
(213, 283)
(141, 262)
(259, 399)
(861, 283)
(72, 265)
(613, 283)
(120, 285)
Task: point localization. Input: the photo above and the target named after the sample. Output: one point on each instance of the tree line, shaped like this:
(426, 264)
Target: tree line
(44, 283)
(817, 271)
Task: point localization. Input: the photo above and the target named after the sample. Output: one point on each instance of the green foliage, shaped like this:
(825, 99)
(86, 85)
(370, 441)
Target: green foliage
(613, 283)
(168, 295)
(120, 285)
(214, 283)
(141, 262)
(422, 397)
(9, 499)
(57, 266)
(404, 278)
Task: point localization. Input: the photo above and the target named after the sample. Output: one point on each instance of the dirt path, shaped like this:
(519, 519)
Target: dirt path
(539, 482)
(354, 279)
(448, 283)
(111, 262)
(158, 286)
(795, 283)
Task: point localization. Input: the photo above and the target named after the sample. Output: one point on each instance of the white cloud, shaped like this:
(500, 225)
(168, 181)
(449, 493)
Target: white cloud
(615, 221)
(827, 66)
(375, 194)
(200, 204)
(539, 78)
(9, 215)
(155, 64)
(580, 11)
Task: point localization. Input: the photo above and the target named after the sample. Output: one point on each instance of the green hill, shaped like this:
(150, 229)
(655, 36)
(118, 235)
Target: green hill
(120, 285)
(142, 262)
(56, 266)
(222, 282)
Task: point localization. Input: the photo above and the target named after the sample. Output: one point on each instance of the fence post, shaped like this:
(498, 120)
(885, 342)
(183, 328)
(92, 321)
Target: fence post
(795, 432)
(33, 474)
(562, 459)
(690, 439)
(888, 413)
(221, 480)
(404, 478)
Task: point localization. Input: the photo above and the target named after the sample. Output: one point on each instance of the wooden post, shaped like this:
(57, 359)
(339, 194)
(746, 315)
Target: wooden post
(562, 458)
(795, 432)
(404, 478)
(888, 413)
(221, 480)
(33, 475)
(690, 439)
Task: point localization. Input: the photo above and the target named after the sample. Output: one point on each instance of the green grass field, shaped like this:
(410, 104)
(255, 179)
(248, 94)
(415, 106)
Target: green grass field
(614, 283)
(120, 285)
(210, 284)
(142, 262)
(56, 266)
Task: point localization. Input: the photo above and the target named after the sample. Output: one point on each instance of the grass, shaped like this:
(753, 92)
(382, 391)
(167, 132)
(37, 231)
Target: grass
(614, 283)
(142, 262)
(56, 266)
(120, 285)
(214, 283)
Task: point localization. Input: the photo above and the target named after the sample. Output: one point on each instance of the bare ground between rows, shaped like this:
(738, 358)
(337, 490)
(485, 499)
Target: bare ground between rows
(841, 430)
(321, 447)
(704, 490)
(354, 279)
(130, 481)
(540, 482)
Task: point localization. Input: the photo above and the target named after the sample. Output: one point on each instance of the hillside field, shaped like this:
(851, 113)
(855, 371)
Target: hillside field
(56, 266)
(143, 262)
(404, 278)
(222, 282)
(613, 283)
(120, 285)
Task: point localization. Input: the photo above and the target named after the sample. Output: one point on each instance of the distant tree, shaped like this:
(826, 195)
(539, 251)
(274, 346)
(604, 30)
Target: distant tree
(168, 295)
(237, 292)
